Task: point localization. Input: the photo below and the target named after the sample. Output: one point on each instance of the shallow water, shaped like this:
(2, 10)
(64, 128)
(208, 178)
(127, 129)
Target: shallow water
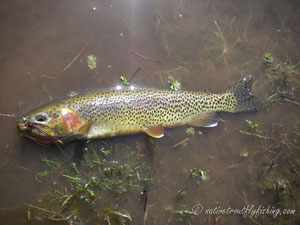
(202, 44)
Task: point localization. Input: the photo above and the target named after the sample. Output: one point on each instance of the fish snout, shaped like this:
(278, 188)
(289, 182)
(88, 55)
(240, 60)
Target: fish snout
(22, 124)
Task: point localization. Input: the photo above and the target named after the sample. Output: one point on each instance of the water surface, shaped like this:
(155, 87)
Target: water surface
(203, 45)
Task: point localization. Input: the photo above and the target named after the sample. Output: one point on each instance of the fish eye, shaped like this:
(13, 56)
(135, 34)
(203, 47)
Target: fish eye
(42, 117)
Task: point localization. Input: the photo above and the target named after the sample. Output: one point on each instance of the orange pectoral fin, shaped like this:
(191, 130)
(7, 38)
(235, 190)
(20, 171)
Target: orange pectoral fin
(155, 131)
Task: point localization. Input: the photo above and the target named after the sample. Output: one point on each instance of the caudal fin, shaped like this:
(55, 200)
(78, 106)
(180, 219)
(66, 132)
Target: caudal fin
(245, 100)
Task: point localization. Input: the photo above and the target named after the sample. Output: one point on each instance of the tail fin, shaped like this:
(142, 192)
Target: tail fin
(245, 100)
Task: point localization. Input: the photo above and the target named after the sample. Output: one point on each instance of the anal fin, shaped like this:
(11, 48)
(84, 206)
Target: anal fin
(204, 120)
(155, 131)
(214, 124)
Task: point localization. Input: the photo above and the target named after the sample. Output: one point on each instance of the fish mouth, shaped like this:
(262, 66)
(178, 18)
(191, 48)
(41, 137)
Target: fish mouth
(36, 134)
(40, 139)
(21, 127)
(25, 129)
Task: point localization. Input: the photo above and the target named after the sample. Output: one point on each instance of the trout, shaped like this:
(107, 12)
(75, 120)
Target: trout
(110, 113)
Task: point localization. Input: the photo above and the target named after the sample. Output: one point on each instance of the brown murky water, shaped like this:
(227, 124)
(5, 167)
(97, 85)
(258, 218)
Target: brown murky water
(202, 44)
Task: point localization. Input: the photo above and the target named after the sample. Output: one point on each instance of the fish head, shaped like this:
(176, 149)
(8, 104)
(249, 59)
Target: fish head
(51, 124)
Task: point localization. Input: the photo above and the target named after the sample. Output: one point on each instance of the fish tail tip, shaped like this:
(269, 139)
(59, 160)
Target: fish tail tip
(242, 91)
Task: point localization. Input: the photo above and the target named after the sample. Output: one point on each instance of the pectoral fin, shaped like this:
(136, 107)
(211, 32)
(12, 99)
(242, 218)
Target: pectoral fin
(79, 133)
(155, 131)
(204, 120)
(85, 128)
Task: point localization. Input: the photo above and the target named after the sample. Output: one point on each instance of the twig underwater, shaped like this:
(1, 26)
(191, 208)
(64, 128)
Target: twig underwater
(76, 57)
(145, 57)
(255, 135)
(8, 115)
(132, 75)
(54, 216)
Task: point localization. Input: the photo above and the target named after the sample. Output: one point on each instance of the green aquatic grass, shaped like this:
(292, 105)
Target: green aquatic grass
(268, 58)
(181, 193)
(175, 85)
(252, 125)
(124, 80)
(93, 185)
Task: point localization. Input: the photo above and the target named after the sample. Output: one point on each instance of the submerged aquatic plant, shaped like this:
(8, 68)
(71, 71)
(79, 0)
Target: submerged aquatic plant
(92, 61)
(268, 58)
(202, 174)
(252, 125)
(124, 80)
(87, 191)
(199, 175)
(190, 131)
(175, 85)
